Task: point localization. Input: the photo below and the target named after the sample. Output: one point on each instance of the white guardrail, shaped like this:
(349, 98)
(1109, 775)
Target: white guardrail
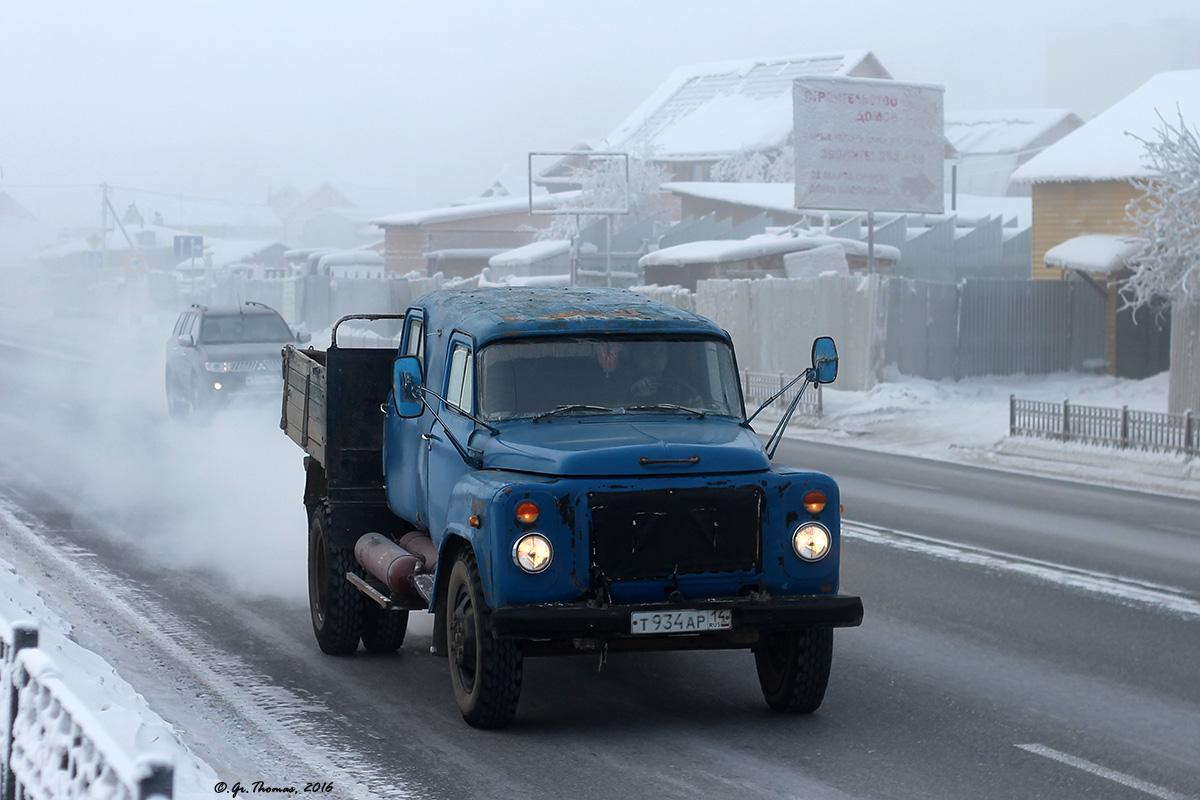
(52, 746)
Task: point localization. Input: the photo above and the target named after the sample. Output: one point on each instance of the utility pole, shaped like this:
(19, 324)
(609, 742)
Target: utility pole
(104, 226)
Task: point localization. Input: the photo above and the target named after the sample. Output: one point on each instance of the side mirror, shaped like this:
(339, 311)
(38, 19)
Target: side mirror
(406, 387)
(186, 340)
(824, 360)
(303, 337)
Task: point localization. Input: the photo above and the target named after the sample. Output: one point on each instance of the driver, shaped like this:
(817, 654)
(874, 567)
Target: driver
(649, 361)
(652, 384)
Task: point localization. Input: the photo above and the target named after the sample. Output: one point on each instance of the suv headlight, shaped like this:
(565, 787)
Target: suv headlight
(811, 541)
(216, 366)
(533, 553)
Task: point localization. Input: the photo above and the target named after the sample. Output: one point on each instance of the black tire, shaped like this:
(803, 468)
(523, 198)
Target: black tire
(485, 671)
(793, 669)
(383, 630)
(337, 606)
(177, 407)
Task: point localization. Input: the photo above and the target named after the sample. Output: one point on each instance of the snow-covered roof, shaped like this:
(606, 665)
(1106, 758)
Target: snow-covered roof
(508, 183)
(508, 205)
(723, 251)
(224, 252)
(343, 258)
(531, 253)
(782, 197)
(162, 237)
(731, 106)
(1102, 149)
(198, 213)
(537, 251)
(1003, 130)
(1101, 253)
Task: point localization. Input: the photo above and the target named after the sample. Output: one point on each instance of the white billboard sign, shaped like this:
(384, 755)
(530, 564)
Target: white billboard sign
(868, 144)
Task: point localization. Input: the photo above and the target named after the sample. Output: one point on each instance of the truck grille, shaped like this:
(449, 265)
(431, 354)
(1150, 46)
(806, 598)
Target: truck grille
(664, 532)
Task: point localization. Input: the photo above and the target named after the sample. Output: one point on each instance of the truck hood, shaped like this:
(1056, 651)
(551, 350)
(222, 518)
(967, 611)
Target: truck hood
(586, 446)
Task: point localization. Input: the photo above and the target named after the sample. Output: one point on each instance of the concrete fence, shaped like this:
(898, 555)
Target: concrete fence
(52, 745)
(924, 329)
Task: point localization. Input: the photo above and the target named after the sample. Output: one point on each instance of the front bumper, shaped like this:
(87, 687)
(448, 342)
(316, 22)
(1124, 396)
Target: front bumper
(580, 620)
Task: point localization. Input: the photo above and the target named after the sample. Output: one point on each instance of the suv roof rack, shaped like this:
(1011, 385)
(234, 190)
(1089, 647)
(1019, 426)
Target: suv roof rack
(260, 305)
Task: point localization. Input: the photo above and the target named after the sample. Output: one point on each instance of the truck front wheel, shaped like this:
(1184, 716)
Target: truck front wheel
(337, 606)
(793, 669)
(484, 670)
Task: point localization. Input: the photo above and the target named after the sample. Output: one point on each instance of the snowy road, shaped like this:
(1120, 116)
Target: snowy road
(1022, 638)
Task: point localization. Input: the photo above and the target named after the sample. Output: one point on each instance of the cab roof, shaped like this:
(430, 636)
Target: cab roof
(506, 312)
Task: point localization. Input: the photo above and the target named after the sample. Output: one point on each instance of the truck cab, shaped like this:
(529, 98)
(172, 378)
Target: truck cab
(583, 466)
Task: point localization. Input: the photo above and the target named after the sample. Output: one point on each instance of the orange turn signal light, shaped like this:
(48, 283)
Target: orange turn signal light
(527, 512)
(814, 502)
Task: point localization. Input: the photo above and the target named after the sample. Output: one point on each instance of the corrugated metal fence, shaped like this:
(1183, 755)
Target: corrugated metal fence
(993, 327)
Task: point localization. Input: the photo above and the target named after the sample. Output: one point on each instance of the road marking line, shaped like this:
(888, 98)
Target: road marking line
(909, 484)
(1172, 529)
(1102, 772)
(1128, 590)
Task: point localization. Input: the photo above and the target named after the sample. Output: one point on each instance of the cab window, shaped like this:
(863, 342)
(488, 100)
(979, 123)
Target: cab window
(414, 339)
(461, 384)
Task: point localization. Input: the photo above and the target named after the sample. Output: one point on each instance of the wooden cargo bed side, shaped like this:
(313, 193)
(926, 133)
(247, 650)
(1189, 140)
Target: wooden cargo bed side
(304, 399)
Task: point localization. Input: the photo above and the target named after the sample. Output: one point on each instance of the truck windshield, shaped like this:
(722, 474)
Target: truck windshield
(525, 378)
(244, 329)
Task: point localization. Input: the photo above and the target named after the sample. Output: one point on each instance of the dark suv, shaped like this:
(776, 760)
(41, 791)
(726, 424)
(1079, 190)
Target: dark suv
(217, 353)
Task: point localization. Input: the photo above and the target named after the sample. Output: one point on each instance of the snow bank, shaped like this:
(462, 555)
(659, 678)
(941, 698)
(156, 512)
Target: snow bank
(76, 693)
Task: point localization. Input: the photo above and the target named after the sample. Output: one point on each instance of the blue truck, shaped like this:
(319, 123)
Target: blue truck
(554, 471)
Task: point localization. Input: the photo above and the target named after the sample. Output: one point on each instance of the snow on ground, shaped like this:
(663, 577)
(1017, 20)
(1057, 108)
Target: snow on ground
(966, 422)
(115, 705)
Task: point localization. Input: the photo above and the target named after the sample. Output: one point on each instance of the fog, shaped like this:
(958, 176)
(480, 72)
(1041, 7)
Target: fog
(407, 105)
(83, 417)
(401, 106)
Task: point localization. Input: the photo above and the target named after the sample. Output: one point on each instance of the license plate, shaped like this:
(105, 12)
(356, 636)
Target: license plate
(684, 620)
(261, 380)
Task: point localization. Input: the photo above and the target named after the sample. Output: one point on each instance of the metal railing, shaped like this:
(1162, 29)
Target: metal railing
(1115, 427)
(758, 386)
(51, 742)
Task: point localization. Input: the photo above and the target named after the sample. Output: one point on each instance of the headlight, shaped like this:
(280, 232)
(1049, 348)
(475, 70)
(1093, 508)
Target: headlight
(811, 541)
(216, 366)
(533, 553)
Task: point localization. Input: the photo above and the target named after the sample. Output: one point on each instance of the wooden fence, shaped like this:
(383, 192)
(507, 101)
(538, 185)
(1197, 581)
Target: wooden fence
(1116, 427)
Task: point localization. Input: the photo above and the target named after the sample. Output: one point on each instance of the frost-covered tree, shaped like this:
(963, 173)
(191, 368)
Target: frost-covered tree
(1167, 271)
(603, 185)
(755, 167)
(1167, 216)
(743, 167)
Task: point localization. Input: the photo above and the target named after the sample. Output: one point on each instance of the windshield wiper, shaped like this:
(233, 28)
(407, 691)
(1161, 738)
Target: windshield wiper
(666, 407)
(565, 409)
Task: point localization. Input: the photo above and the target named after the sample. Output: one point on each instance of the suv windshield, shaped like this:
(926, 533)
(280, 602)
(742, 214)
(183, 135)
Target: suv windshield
(525, 378)
(244, 329)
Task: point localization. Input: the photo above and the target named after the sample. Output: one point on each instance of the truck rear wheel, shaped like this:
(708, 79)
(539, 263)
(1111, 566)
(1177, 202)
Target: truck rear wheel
(484, 670)
(337, 606)
(793, 669)
(383, 629)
